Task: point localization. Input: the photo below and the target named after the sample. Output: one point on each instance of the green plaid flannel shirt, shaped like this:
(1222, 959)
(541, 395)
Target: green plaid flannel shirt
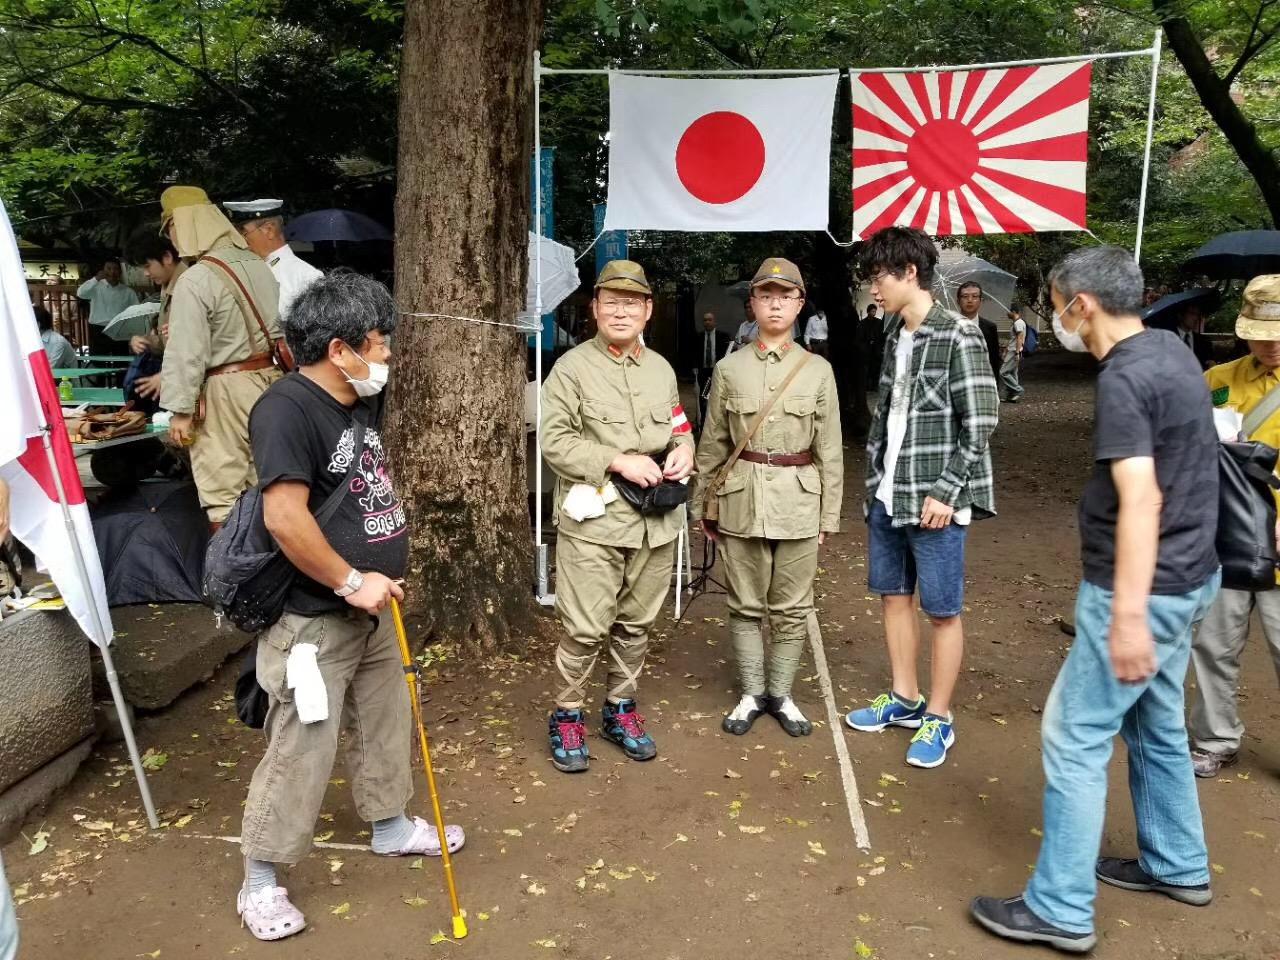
(953, 410)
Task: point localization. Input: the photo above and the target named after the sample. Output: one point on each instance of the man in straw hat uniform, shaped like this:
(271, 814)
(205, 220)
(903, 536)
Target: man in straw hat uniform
(611, 416)
(219, 355)
(1244, 386)
(780, 498)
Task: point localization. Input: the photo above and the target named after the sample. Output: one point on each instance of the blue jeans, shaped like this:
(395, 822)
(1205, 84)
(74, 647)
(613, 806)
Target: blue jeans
(1087, 707)
(8, 922)
(899, 558)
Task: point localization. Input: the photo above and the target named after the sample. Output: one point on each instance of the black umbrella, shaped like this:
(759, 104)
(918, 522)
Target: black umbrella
(328, 226)
(1164, 313)
(1241, 255)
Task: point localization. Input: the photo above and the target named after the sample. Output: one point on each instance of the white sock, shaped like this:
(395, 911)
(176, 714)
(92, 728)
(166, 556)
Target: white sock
(391, 834)
(258, 875)
(787, 707)
(746, 706)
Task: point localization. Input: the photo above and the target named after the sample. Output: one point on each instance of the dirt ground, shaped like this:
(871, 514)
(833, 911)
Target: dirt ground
(724, 847)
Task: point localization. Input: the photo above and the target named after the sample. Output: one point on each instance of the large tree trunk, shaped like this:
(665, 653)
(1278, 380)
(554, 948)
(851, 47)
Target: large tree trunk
(456, 427)
(1215, 95)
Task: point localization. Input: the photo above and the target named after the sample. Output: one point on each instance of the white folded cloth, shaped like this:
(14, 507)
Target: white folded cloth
(302, 676)
(586, 502)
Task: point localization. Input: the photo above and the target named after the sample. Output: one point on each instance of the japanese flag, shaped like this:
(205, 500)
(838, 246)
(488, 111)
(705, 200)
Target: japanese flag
(719, 155)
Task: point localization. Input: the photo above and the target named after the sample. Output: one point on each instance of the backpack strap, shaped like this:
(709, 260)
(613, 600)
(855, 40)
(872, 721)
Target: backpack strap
(330, 506)
(1260, 414)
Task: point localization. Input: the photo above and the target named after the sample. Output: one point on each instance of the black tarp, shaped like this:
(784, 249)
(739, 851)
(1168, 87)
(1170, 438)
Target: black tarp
(152, 541)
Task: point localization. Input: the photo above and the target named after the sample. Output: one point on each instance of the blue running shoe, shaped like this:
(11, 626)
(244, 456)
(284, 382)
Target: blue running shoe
(932, 741)
(567, 730)
(886, 710)
(625, 727)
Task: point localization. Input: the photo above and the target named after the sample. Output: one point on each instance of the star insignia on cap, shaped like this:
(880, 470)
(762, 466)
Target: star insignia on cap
(776, 269)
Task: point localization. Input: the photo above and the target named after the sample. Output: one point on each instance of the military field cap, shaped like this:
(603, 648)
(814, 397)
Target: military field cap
(778, 270)
(1260, 309)
(175, 197)
(625, 275)
(246, 211)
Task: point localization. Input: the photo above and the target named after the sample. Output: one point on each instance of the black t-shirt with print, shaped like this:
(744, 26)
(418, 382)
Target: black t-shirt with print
(300, 432)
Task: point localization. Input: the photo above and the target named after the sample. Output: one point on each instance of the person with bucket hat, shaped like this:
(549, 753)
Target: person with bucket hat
(220, 355)
(614, 433)
(1248, 387)
(769, 483)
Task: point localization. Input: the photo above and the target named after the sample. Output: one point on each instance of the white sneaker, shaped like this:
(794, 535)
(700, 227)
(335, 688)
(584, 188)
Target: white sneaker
(268, 913)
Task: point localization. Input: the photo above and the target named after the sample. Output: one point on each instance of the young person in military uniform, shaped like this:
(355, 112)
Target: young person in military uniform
(780, 498)
(217, 360)
(611, 416)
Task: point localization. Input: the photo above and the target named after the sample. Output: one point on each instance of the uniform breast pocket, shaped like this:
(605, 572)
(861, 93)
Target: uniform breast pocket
(932, 391)
(742, 408)
(599, 411)
(799, 420)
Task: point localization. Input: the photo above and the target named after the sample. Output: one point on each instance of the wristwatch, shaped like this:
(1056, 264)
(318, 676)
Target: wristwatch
(354, 581)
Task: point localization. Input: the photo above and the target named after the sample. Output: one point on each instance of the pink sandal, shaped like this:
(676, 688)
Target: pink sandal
(426, 842)
(268, 913)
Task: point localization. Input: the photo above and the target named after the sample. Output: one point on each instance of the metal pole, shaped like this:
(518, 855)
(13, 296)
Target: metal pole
(113, 680)
(1146, 157)
(540, 548)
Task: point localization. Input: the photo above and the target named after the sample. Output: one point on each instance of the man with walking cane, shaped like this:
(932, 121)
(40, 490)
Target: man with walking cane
(332, 659)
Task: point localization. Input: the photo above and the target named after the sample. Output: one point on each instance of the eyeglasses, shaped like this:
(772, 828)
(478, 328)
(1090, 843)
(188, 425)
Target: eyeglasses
(773, 300)
(879, 277)
(629, 304)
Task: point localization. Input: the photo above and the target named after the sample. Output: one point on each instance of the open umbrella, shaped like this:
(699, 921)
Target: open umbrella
(335, 226)
(1164, 313)
(559, 277)
(1240, 255)
(998, 286)
(132, 321)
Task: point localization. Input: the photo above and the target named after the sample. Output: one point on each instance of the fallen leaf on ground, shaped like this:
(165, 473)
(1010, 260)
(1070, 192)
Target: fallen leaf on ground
(864, 918)
(183, 820)
(335, 865)
(416, 865)
(324, 837)
(1255, 891)
(746, 829)
(536, 889)
(595, 867)
(732, 775)
(437, 937)
(1217, 867)
(415, 901)
(341, 910)
(513, 832)
(547, 944)
(816, 847)
(153, 759)
(862, 950)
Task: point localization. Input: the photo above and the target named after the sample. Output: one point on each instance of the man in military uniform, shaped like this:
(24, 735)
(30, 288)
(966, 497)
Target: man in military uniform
(217, 360)
(780, 498)
(261, 223)
(610, 411)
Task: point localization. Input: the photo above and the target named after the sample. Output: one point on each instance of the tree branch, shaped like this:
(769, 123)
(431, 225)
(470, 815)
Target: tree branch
(1252, 46)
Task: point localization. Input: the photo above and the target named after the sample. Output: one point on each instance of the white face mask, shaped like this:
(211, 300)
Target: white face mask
(371, 385)
(1070, 339)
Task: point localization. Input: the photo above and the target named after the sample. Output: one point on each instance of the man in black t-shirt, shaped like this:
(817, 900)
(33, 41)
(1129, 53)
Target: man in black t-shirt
(332, 659)
(1148, 519)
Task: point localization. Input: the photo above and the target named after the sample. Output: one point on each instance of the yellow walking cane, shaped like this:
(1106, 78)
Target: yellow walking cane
(411, 678)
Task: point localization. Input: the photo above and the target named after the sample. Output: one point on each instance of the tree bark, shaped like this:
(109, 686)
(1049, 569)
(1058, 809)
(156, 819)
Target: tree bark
(456, 423)
(1215, 95)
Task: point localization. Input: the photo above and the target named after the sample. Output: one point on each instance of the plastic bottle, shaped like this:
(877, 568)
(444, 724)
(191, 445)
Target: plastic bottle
(65, 390)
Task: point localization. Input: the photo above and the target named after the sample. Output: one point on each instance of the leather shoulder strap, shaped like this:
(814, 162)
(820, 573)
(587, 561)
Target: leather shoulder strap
(242, 297)
(723, 475)
(1260, 414)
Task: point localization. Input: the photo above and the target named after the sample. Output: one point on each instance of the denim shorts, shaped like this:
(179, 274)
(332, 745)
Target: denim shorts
(899, 558)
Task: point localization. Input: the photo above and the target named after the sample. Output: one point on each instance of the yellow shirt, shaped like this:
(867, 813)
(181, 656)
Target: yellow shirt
(1240, 385)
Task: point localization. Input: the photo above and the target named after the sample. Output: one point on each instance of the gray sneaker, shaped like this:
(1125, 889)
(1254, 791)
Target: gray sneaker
(1206, 763)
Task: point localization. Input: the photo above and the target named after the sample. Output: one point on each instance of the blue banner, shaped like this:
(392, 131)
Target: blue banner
(544, 169)
(612, 244)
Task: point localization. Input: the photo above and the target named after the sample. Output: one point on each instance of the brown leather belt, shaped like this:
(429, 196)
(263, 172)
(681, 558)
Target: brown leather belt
(260, 361)
(777, 459)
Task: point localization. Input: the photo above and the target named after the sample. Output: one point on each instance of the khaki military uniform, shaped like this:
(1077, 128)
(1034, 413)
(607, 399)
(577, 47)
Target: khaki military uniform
(207, 329)
(770, 516)
(613, 571)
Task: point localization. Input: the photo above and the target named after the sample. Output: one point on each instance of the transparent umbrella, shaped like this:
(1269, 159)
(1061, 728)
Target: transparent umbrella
(133, 321)
(998, 286)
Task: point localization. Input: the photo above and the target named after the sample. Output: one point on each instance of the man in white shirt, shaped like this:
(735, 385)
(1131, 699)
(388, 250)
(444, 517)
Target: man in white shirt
(748, 329)
(62, 355)
(107, 294)
(261, 223)
(815, 334)
(1011, 388)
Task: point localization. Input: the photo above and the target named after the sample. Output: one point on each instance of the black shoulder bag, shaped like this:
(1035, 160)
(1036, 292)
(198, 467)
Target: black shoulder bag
(1246, 539)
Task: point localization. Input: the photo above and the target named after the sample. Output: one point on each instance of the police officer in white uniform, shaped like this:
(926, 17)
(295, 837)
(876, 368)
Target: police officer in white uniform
(261, 223)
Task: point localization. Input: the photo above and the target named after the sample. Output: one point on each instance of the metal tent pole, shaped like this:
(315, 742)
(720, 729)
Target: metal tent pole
(1146, 157)
(540, 549)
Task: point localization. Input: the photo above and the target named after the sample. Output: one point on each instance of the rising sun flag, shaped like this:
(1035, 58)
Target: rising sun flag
(971, 151)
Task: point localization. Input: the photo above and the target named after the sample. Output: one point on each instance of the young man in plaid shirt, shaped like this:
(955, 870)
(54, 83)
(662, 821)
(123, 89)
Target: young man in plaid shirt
(928, 476)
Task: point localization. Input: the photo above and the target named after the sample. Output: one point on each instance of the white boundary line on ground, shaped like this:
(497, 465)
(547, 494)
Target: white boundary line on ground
(323, 845)
(857, 819)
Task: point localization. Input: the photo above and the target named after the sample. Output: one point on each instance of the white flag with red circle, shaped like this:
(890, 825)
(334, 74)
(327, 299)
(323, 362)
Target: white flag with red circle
(719, 155)
(971, 151)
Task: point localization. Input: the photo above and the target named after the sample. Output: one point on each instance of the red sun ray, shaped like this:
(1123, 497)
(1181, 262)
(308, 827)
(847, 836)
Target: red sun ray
(1010, 82)
(916, 82)
(866, 158)
(1009, 221)
(1069, 146)
(1070, 90)
(864, 121)
(945, 80)
(878, 84)
(868, 192)
(971, 79)
(1065, 203)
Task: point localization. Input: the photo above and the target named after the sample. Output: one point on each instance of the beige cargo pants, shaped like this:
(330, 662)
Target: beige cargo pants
(368, 698)
(221, 457)
(771, 578)
(607, 596)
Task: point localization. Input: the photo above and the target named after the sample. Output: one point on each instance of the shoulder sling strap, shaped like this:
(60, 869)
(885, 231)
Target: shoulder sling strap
(249, 308)
(1260, 414)
(710, 505)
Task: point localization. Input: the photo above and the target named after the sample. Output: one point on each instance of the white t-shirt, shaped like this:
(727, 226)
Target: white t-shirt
(816, 328)
(896, 426)
(1018, 329)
